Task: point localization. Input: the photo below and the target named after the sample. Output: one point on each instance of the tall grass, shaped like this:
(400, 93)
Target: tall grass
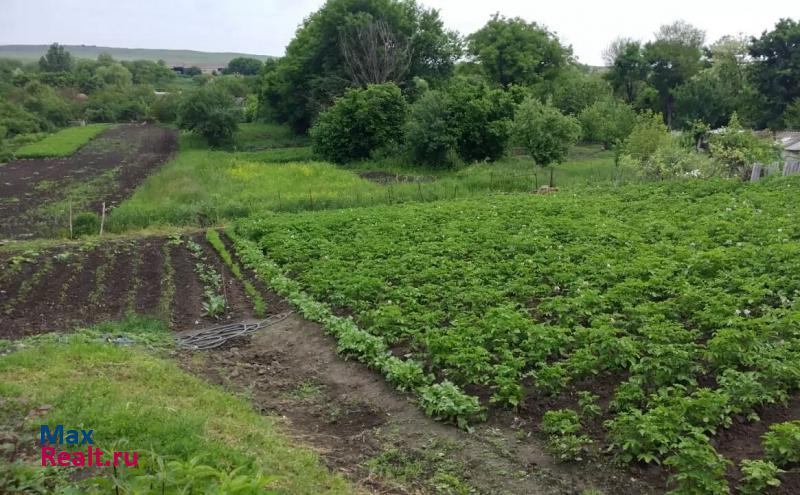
(63, 143)
(206, 187)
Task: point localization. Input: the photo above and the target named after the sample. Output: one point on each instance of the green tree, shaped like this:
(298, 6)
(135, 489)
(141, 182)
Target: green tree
(575, 90)
(246, 66)
(629, 70)
(674, 57)
(512, 51)
(210, 112)
(608, 121)
(57, 59)
(545, 133)
(648, 134)
(429, 134)
(314, 70)
(775, 70)
(113, 75)
(360, 122)
(193, 71)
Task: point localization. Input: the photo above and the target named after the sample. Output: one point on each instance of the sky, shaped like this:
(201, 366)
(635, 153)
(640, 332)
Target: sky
(264, 27)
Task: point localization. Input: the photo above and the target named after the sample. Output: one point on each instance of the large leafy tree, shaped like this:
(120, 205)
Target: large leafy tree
(210, 112)
(674, 57)
(775, 70)
(512, 51)
(246, 66)
(57, 59)
(314, 70)
(628, 70)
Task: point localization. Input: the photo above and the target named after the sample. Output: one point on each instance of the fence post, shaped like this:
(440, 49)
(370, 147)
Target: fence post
(71, 235)
(103, 218)
(756, 172)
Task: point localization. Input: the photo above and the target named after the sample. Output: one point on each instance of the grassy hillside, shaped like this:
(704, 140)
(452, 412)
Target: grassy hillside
(30, 53)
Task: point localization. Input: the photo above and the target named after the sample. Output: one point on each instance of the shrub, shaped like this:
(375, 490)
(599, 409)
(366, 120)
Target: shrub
(648, 135)
(429, 135)
(738, 149)
(673, 160)
(360, 122)
(481, 118)
(165, 108)
(607, 121)
(544, 132)
(86, 223)
(210, 112)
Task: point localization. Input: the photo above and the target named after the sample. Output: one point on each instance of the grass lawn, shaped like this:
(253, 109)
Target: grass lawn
(253, 136)
(191, 437)
(63, 143)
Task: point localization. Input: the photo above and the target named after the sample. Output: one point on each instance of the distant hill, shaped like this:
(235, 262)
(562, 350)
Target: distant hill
(31, 53)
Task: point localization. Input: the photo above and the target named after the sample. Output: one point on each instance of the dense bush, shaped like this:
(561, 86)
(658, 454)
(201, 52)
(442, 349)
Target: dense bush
(545, 133)
(481, 117)
(646, 137)
(738, 149)
(164, 108)
(210, 112)
(359, 123)
(673, 160)
(607, 121)
(429, 135)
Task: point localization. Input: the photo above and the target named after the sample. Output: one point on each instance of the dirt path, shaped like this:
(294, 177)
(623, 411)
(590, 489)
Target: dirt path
(365, 429)
(119, 159)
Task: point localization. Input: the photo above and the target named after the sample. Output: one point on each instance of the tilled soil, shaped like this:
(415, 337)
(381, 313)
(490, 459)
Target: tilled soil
(65, 288)
(26, 186)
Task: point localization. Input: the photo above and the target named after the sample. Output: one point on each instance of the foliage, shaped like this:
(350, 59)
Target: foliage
(63, 143)
(86, 223)
(313, 73)
(698, 469)
(57, 59)
(172, 407)
(738, 149)
(445, 401)
(672, 160)
(512, 51)
(607, 121)
(758, 476)
(429, 133)
(359, 123)
(245, 66)
(648, 135)
(648, 282)
(782, 443)
(775, 70)
(574, 91)
(211, 113)
(629, 70)
(544, 132)
(674, 57)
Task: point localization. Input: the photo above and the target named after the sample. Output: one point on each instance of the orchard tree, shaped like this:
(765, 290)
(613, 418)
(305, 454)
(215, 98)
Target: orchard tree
(775, 70)
(512, 51)
(210, 112)
(674, 57)
(545, 133)
(57, 59)
(246, 66)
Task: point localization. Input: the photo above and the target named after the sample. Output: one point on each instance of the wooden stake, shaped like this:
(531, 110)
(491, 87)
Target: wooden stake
(103, 218)
(70, 220)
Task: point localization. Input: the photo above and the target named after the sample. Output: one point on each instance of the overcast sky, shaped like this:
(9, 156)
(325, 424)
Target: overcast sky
(266, 26)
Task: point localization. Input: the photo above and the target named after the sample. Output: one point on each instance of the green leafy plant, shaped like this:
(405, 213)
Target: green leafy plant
(782, 443)
(758, 476)
(445, 401)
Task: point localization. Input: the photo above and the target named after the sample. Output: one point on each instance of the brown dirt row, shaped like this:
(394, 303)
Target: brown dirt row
(26, 186)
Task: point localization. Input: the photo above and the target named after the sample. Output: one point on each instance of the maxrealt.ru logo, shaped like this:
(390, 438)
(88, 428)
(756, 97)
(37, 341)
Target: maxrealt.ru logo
(92, 456)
